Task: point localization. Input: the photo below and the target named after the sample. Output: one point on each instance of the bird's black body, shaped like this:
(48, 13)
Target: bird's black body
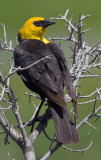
(48, 78)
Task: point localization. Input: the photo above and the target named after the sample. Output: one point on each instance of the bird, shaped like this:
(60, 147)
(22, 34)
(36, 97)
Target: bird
(48, 77)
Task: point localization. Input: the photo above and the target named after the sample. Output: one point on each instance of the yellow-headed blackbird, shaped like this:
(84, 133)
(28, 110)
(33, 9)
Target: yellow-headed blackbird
(48, 77)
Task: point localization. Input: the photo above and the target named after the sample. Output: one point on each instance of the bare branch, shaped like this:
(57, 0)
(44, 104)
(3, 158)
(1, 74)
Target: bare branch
(25, 68)
(41, 126)
(5, 45)
(78, 150)
(88, 117)
(35, 115)
(49, 153)
(91, 126)
(10, 129)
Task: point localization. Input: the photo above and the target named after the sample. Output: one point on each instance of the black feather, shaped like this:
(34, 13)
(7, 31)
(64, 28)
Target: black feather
(48, 78)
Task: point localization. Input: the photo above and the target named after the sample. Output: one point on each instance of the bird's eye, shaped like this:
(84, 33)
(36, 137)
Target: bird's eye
(38, 23)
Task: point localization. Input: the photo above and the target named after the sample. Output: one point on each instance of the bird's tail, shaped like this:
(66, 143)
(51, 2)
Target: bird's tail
(65, 129)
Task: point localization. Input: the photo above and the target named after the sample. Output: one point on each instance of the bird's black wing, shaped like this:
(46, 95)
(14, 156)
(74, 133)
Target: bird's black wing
(65, 71)
(44, 77)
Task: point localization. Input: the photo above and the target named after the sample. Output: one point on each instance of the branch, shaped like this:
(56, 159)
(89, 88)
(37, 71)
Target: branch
(5, 46)
(78, 150)
(9, 129)
(46, 117)
(25, 68)
(49, 153)
(88, 117)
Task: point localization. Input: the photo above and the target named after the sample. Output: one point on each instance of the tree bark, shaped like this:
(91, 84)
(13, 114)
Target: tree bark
(28, 151)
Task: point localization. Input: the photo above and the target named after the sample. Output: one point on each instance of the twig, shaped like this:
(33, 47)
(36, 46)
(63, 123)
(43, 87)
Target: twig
(8, 156)
(78, 150)
(32, 95)
(5, 45)
(47, 135)
(15, 109)
(88, 117)
(35, 115)
(89, 76)
(49, 153)
(91, 126)
(41, 126)
(2, 132)
(87, 102)
(25, 68)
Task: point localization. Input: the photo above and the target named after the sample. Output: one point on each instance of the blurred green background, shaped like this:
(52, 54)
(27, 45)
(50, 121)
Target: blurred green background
(14, 13)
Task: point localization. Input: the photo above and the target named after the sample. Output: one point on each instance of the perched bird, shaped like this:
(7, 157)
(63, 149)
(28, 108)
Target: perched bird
(48, 77)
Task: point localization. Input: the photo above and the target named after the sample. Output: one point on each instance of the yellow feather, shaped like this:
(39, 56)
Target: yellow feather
(30, 31)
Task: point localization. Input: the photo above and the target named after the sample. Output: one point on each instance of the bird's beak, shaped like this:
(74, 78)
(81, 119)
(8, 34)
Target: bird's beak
(47, 23)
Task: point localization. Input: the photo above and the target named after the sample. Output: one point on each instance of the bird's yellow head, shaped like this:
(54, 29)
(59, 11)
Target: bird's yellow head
(34, 28)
